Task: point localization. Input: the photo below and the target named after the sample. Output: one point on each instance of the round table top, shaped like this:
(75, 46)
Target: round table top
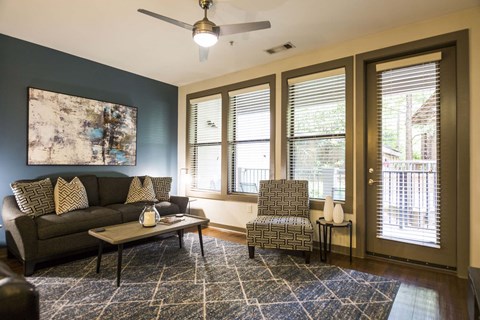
(345, 223)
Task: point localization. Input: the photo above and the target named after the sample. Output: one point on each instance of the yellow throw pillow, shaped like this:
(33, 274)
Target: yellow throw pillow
(69, 196)
(139, 192)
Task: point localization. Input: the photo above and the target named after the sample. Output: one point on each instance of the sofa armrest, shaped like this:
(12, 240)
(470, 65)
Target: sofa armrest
(181, 202)
(20, 230)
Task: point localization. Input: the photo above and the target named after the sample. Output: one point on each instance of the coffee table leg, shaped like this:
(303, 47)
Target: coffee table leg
(119, 263)
(99, 257)
(199, 227)
(179, 233)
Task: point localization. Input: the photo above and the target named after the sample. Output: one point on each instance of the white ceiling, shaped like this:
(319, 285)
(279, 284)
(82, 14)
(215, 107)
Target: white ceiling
(112, 32)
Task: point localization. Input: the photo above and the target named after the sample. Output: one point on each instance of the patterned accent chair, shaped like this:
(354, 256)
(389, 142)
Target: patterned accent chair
(283, 219)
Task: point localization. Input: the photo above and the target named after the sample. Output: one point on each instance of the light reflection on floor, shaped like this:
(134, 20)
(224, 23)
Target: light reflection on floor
(414, 302)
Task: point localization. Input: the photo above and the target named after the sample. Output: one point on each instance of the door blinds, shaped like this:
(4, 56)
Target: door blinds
(205, 142)
(408, 122)
(248, 139)
(316, 132)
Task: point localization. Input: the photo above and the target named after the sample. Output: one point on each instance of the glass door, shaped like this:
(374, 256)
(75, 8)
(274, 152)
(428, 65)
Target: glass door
(411, 146)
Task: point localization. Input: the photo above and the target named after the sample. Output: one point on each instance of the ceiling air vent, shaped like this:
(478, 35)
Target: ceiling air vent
(280, 48)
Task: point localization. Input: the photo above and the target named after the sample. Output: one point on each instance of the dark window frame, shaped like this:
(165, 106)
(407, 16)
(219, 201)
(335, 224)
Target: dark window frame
(223, 91)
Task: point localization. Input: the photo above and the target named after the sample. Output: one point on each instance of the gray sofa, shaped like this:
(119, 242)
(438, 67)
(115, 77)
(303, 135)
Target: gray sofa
(54, 236)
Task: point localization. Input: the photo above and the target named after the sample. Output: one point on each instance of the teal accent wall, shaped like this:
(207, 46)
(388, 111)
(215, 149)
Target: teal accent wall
(24, 64)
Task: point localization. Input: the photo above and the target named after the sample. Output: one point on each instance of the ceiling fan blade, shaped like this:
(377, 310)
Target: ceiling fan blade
(243, 27)
(167, 19)
(203, 53)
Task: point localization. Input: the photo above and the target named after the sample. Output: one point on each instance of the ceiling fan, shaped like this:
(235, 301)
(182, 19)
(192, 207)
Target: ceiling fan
(205, 32)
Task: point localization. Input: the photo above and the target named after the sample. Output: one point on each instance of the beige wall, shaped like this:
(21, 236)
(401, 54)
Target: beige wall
(237, 214)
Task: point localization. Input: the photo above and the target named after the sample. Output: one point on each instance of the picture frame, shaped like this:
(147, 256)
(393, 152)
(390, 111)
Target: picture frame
(65, 129)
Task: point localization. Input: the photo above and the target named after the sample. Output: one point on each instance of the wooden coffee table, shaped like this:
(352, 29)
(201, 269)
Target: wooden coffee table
(131, 231)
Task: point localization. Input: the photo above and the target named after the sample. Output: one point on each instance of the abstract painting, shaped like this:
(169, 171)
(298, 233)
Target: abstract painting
(71, 130)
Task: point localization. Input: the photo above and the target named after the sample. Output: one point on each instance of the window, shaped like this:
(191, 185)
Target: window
(248, 139)
(234, 123)
(205, 142)
(317, 120)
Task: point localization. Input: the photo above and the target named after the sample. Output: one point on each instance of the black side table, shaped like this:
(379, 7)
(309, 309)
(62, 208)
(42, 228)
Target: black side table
(327, 227)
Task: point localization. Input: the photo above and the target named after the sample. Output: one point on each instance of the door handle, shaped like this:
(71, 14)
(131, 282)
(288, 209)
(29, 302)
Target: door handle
(372, 182)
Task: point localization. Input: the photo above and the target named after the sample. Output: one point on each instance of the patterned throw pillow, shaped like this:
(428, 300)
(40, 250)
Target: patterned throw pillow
(34, 198)
(138, 193)
(162, 186)
(69, 196)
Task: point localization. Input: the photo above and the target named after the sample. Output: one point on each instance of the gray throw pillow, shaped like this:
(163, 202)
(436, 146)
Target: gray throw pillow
(34, 198)
(162, 186)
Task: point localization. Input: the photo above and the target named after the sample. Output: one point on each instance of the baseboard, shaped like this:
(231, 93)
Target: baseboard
(227, 227)
(316, 245)
(336, 249)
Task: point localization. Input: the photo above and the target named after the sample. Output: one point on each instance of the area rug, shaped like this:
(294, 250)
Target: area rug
(162, 281)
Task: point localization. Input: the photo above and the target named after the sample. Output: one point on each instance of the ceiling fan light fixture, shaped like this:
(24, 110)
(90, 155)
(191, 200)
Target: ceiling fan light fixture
(204, 33)
(205, 38)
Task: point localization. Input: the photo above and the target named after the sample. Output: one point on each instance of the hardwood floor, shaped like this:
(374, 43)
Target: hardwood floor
(424, 294)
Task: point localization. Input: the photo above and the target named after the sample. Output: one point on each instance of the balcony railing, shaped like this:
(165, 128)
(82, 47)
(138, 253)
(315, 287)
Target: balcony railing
(322, 182)
(408, 200)
(247, 179)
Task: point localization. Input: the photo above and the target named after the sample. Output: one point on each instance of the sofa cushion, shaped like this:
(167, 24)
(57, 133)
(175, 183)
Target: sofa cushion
(69, 196)
(166, 207)
(131, 211)
(139, 192)
(113, 189)
(52, 225)
(282, 232)
(34, 198)
(162, 186)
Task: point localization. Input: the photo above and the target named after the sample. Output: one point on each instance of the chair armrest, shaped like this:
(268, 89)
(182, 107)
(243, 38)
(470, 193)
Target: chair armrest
(181, 202)
(20, 230)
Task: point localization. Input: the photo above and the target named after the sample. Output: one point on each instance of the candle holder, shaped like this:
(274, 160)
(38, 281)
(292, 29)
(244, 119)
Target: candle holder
(149, 216)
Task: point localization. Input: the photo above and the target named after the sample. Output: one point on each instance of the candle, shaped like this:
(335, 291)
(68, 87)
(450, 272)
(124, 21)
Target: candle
(149, 219)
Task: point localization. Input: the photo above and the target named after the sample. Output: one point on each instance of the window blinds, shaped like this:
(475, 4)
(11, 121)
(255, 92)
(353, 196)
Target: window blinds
(205, 142)
(248, 139)
(316, 133)
(408, 122)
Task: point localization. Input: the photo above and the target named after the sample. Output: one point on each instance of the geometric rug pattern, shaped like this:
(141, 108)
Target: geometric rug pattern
(161, 281)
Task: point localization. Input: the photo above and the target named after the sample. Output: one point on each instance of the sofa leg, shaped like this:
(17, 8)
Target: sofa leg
(251, 252)
(28, 268)
(307, 256)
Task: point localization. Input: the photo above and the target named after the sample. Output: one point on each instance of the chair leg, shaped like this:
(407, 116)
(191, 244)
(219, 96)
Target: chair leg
(251, 252)
(307, 256)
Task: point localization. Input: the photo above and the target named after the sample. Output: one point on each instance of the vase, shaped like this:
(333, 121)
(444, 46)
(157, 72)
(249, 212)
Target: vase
(328, 209)
(149, 216)
(338, 214)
